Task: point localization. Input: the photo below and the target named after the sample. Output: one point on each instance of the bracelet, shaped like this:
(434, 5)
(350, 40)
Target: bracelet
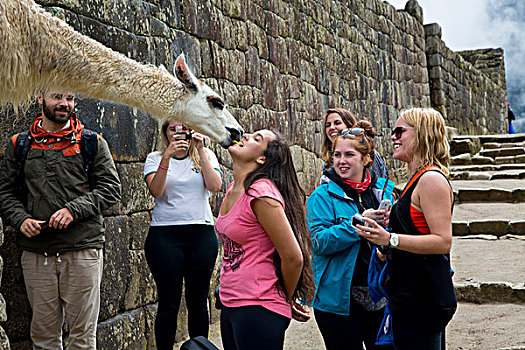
(163, 167)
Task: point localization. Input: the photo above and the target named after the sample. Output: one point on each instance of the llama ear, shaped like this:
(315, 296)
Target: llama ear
(184, 74)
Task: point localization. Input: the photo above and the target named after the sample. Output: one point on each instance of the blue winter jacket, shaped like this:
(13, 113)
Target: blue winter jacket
(335, 243)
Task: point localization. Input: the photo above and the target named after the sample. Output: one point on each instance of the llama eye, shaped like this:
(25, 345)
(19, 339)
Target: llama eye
(216, 103)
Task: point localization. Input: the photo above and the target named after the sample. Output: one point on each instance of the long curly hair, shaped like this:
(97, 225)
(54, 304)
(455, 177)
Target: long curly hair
(431, 145)
(279, 168)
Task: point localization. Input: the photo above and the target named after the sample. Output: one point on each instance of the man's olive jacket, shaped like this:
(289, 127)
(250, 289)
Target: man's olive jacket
(55, 178)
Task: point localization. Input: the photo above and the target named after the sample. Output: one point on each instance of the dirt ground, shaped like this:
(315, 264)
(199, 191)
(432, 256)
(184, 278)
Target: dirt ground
(474, 327)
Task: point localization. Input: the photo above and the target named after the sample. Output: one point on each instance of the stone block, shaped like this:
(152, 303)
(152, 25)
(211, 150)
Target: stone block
(17, 305)
(432, 29)
(500, 195)
(433, 44)
(516, 227)
(491, 145)
(505, 160)
(126, 331)
(138, 227)
(93, 28)
(3, 310)
(496, 291)
(478, 159)
(131, 134)
(117, 267)
(4, 340)
(10, 250)
(520, 159)
(490, 227)
(479, 175)
(150, 313)
(519, 195)
(169, 11)
(513, 151)
(460, 228)
(462, 146)
(466, 195)
(135, 193)
(462, 159)
(141, 288)
(467, 292)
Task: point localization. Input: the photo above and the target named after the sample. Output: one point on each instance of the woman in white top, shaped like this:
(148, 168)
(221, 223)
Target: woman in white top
(181, 242)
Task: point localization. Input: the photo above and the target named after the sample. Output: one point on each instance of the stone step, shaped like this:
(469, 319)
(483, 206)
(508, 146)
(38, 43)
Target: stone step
(494, 145)
(515, 174)
(488, 269)
(500, 138)
(497, 190)
(508, 160)
(502, 152)
(487, 167)
(477, 159)
(497, 219)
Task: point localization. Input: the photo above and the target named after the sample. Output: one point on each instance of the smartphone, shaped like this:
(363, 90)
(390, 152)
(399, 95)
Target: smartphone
(357, 219)
(44, 225)
(384, 205)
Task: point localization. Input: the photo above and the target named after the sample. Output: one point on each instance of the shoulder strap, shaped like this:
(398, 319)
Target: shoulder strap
(22, 146)
(416, 176)
(88, 148)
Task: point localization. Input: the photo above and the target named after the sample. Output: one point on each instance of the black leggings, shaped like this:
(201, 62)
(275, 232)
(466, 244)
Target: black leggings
(252, 328)
(409, 338)
(173, 253)
(350, 332)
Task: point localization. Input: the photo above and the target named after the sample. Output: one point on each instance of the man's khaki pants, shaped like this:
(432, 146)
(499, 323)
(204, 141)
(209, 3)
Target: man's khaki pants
(66, 285)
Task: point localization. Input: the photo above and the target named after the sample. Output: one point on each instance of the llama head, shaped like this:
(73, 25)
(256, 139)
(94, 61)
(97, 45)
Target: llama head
(202, 109)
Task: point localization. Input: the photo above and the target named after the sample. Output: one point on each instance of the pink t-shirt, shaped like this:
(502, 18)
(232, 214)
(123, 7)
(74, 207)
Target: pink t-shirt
(248, 275)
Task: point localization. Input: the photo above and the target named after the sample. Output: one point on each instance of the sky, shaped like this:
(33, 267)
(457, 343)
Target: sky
(477, 24)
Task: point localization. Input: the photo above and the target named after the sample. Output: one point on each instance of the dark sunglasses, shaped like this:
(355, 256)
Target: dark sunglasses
(400, 130)
(352, 131)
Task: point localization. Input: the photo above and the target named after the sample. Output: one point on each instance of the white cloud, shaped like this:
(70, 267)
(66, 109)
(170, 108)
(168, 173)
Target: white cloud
(477, 24)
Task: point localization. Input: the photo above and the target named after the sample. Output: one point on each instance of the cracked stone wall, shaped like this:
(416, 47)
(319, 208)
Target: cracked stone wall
(467, 87)
(278, 63)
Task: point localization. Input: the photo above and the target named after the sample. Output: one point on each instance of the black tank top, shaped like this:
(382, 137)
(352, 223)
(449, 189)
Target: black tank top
(411, 287)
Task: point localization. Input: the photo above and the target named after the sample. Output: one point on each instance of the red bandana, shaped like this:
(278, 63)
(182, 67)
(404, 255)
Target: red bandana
(359, 186)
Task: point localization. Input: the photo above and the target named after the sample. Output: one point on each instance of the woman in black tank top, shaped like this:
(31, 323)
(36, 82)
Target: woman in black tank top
(419, 289)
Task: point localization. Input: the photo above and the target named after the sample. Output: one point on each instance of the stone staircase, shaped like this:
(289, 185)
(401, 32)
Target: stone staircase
(488, 253)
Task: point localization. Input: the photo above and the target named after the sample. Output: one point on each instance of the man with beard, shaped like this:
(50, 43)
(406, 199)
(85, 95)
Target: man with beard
(57, 205)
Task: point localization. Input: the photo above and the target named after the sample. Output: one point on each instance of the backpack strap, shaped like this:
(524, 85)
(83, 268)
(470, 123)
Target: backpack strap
(22, 145)
(88, 149)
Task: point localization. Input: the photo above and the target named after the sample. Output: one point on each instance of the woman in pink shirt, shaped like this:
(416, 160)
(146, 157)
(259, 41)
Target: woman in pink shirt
(266, 263)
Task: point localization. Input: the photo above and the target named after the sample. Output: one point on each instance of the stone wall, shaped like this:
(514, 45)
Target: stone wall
(472, 96)
(279, 64)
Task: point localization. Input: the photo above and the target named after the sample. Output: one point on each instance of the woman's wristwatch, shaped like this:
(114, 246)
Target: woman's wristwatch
(394, 240)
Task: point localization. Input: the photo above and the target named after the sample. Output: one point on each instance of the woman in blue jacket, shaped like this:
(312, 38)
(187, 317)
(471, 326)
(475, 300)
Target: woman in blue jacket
(344, 311)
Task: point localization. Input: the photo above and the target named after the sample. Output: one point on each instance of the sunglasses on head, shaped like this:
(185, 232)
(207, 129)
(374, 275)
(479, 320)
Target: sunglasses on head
(398, 131)
(352, 131)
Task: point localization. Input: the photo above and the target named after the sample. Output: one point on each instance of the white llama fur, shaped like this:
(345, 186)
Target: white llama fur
(39, 51)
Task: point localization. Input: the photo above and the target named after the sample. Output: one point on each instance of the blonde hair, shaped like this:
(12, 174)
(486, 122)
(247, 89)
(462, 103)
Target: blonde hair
(430, 145)
(192, 151)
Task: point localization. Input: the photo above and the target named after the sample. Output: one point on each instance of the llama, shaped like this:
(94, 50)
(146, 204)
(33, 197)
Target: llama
(39, 51)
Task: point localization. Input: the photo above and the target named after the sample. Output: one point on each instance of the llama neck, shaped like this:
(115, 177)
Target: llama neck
(80, 64)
